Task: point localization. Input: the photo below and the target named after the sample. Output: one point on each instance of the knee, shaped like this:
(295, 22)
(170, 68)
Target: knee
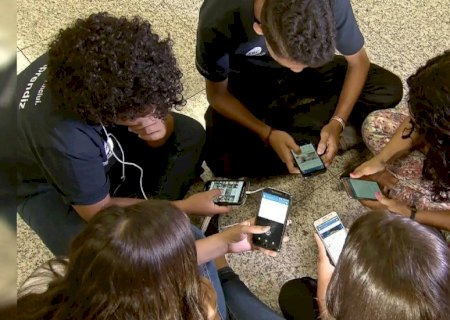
(188, 131)
(395, 89)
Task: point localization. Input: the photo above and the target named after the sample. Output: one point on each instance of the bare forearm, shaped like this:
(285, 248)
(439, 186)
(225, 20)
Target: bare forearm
(227, 105)
(87, 212)
(436, 218)
(322, 285)
(355, 78)
(398, 145)
(210, 248)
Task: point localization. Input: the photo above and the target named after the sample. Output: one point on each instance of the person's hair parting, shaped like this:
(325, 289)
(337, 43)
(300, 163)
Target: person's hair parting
(301, 30)
(104, 69)
(391, 267)
(135, 262)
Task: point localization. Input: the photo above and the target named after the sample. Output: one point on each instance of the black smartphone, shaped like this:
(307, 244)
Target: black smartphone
(273, 211)
(233, 191)
(360, 189)
(308, 161)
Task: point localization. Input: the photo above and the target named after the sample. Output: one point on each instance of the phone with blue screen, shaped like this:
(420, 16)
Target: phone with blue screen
(273, 211)
(333, 234)
(308, 161)
(360, 189)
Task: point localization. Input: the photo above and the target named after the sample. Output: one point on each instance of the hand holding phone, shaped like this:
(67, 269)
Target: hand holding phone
(273, 211)
(308, 161)
(233, 191)
(360, 189)
(332, 233)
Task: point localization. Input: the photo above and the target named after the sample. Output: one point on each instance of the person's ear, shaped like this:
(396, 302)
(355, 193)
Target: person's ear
(257, 28)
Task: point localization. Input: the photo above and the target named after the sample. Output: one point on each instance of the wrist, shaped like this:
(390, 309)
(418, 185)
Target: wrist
(181, 204)
(265, 133)
(338, 121)
(335, 127)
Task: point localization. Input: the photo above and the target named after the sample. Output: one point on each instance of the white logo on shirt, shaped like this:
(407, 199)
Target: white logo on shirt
(256, 51)
(109, 147)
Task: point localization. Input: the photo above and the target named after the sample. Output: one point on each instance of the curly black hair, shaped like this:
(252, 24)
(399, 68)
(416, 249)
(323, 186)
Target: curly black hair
(105, 69)
(302, 30)
(429, 106)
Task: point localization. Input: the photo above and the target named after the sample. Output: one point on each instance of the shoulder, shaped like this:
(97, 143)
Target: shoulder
(220, 13)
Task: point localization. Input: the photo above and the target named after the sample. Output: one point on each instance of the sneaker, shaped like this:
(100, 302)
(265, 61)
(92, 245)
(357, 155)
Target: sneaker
(350, 139)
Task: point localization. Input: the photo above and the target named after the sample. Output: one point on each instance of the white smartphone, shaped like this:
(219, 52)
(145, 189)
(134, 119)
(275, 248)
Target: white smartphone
(333, 234)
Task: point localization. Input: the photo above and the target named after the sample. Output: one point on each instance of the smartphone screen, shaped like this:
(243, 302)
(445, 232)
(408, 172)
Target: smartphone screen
(308, 161)
(233, 191)
(333, 234)
(363, 189)
(273, 212)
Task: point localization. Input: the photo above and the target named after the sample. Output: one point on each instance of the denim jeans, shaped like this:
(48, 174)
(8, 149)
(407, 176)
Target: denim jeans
(234, 300)
(241, 302)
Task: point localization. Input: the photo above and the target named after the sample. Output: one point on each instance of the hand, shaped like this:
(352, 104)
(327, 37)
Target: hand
(202, 203)
(324, 272)
(148, 128)
(239, 237)
(393, 205)
(369, 167)
(329, 142)
(324, 267)
(282, 143)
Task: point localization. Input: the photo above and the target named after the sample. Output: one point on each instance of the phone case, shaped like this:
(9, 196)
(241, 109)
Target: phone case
(242, 196)
(346, 186)
(267, 245)
(321, 220)
(311, 174)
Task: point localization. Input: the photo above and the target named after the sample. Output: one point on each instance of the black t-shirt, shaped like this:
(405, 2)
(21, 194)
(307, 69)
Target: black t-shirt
(55, 149)
(227, 42)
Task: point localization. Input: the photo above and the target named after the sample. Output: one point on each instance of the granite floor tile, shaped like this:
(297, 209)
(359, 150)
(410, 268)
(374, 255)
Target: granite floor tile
(36, 20)
(266, 285)
(295, 185)
(196, 107)
(22, 61)
(36, 50)
(416, 34)
(31, 251)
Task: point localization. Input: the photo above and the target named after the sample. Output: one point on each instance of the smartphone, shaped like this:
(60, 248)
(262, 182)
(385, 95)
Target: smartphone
(333, 234)
(360, 189)
(233, 191)
(273, 211)
(308, 161)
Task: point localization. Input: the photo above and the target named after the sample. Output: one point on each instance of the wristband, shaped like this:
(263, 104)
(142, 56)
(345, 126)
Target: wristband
(413, 212)
(268, 136)
(340, 120)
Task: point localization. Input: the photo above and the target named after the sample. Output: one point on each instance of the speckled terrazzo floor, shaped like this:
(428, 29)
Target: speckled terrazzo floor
(400, 36)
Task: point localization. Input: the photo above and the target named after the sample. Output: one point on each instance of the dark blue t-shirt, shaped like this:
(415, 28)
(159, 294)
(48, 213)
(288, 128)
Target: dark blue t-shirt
(56, 150)
(227, 42)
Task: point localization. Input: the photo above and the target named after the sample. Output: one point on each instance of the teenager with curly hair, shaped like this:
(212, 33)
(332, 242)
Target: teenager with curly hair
(141, 262)
(95, 127)
(391, 267)
(412, 150)
(273, 81)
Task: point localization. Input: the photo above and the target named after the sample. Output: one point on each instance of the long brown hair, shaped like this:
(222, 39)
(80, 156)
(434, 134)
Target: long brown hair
(391, 267)
(135, 262)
